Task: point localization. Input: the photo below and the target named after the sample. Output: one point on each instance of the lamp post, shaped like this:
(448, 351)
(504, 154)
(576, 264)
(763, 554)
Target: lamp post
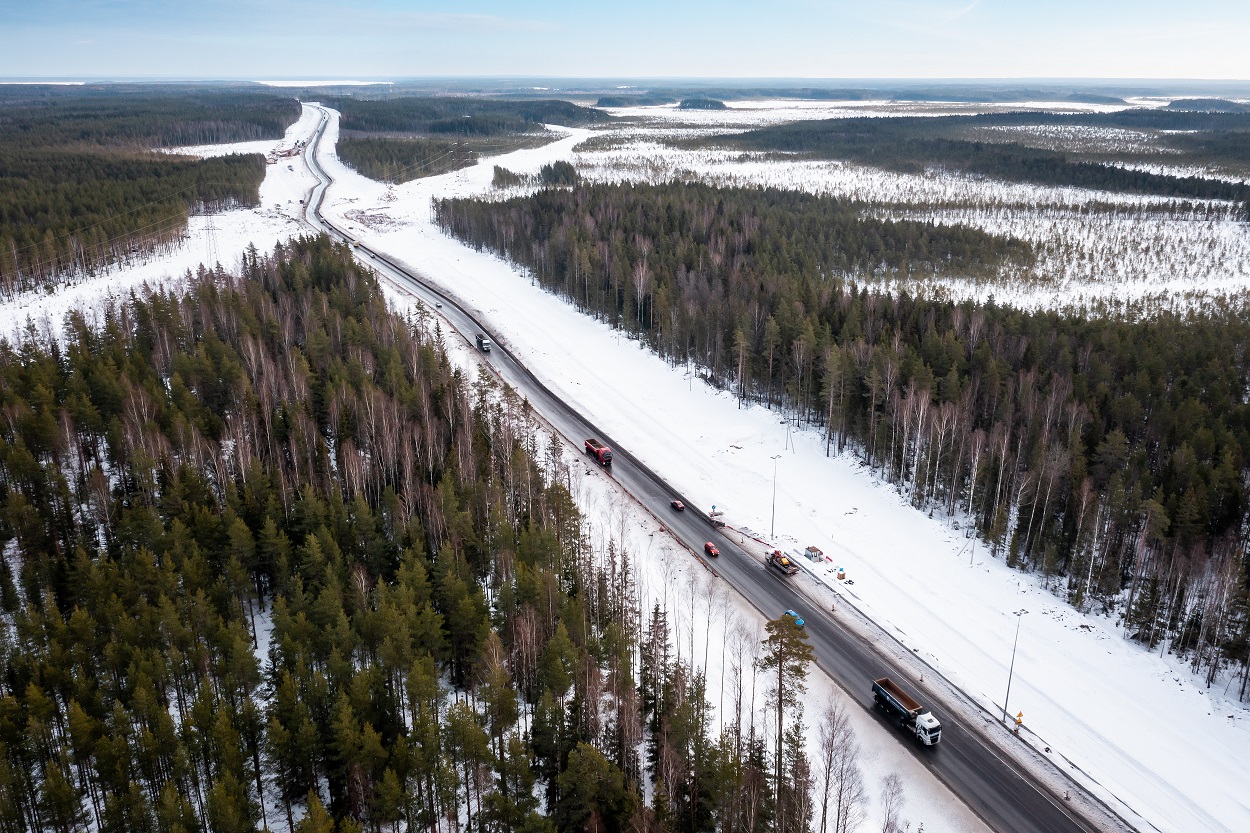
(1019, 615)
(772, 534)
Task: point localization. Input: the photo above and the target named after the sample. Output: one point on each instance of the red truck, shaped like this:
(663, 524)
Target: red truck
(599, 451)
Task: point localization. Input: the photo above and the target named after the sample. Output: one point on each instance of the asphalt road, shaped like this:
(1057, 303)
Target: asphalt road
(993, 787)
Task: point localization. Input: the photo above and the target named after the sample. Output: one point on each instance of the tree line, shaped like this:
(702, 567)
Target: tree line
(1110, 455)
(462, 116)
(82, 187)
(270, 560)
(914, 145)
(402, 160)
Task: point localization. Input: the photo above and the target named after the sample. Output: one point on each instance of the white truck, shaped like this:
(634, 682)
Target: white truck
(910, 714)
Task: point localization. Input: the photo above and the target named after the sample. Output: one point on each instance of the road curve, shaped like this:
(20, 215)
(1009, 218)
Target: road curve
(1002, 794)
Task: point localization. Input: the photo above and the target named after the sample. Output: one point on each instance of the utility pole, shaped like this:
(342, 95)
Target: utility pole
(1019, 616)
(773, 528)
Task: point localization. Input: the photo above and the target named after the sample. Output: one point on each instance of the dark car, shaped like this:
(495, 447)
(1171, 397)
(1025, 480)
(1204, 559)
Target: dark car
(798, 620)
(678, 505)
(711, 549)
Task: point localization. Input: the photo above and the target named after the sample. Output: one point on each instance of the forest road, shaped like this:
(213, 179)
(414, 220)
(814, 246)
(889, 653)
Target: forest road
(1001, 793)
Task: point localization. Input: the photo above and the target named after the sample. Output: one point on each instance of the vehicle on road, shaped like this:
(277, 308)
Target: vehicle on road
(910, 714)
(599, 451)
(678, 505)
(782, 563)
(438, 304)
(798, 620)
(483, 343)
(711, 549)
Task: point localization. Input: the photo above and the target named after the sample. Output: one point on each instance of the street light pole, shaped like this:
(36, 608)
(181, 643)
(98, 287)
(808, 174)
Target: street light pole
(1019, 616)
(772, 534)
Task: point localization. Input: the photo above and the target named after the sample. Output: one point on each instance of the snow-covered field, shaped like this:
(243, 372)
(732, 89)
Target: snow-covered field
(218, 238)
(753, 113)
(1178, 755)
(1093, 246)
(1133, 725)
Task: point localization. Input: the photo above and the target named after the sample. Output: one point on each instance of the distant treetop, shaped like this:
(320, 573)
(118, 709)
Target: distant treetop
(701, 104)
(1208, 105)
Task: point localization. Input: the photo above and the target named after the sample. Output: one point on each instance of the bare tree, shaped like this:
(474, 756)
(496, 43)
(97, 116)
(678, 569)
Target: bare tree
(839, 778)
(830, 735)
(892, 801)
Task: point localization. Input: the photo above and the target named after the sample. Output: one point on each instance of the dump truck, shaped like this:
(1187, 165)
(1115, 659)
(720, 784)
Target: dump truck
(599, 451)
(910, 715)
(779, 561)
(483, 343)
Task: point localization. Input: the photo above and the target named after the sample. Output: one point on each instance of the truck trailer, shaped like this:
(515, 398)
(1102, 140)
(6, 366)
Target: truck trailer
(599, 451)
(910, 715)
(782, 563)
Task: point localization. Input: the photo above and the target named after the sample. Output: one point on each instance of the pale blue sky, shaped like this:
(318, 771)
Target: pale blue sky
(642, 38)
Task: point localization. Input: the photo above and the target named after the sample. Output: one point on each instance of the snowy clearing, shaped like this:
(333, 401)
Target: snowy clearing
(1094, 247)
(210, 238)
(706, 632)
(1177, 754)
(1174, 753)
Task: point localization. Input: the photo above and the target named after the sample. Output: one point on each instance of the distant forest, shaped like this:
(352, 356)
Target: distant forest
(700, 103)
(913, 145)
(274, 458)
(634, 100)
(1113, 456)
(80, 184)
(401, 160)
(459, 116)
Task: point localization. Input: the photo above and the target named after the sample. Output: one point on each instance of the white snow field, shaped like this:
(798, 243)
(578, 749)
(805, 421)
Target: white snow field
(1093, 247)
(221, 237)
(1133, 725)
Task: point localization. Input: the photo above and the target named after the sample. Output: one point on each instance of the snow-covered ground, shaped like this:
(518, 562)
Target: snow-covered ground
(1092, 246)
(693, 600)
(1097, 249)
(1136, 724)
(221, 237)
(752, 113)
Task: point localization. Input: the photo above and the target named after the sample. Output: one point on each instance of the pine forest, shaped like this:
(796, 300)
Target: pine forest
(1111, 455)
(271, 560)
(82, 184)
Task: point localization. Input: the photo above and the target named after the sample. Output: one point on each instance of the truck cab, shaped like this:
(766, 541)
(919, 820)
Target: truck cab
(928, 728)
(599, 451)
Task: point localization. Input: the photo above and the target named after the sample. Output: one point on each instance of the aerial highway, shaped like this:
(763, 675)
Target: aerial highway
(1003, 794)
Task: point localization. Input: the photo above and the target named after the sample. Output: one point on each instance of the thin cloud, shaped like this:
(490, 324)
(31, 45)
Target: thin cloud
(958, 13)
(476, 22)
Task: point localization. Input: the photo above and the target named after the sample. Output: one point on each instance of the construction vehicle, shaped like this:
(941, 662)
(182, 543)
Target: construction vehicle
(599, 451)
(910, 715)
(782, 563)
